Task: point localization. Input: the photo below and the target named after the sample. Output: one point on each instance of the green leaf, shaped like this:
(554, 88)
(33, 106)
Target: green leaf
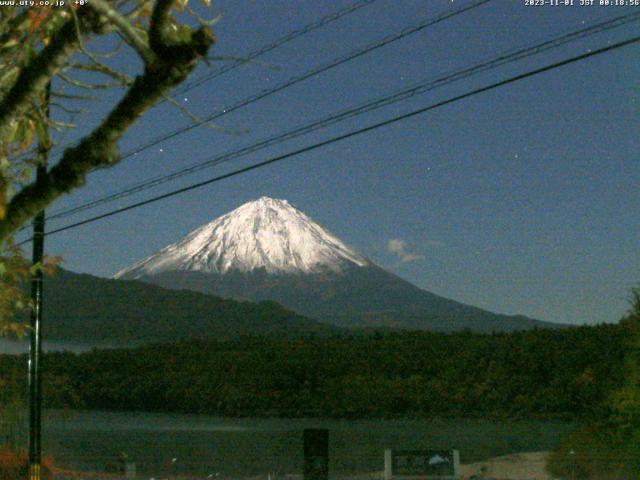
(10, 131)
(184, 33)
(42, 130)
(35, 268)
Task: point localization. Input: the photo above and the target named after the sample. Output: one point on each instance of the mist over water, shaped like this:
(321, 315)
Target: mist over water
(16, 347)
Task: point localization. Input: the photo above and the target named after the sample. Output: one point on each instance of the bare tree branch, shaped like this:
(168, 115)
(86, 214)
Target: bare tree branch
(196, 119)
(112, 53)
(79, 31)
(160, 19)
(125, 29)
(124, 79)
(69, 96)
(34, 77)
(88, 86)
(201, 20)
(99, 149)
(60, 126)
(70, 111)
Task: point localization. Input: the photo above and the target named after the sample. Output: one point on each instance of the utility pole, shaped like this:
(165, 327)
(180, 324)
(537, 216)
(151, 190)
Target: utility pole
(35, 340)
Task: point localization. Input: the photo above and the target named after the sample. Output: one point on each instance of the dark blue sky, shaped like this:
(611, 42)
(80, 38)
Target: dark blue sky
(520, 200)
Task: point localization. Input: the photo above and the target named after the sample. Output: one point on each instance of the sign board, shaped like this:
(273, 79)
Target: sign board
(421, 464)
(130, 470)
(316, 454)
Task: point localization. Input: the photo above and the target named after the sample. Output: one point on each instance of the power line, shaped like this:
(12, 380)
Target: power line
(278, 43)
(353, 133)
(417, 89)
(316, 71)
(315, 25)
(312, 73)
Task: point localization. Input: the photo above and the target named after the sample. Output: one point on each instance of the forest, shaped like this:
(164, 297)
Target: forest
(532, 374)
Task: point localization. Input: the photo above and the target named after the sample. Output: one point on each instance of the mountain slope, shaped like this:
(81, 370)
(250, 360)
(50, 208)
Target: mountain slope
(266, 234)
(269, 250)
(89, 309)
(356, 297)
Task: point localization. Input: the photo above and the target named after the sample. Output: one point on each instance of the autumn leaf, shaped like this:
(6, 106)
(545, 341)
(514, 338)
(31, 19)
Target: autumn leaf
(37, 17)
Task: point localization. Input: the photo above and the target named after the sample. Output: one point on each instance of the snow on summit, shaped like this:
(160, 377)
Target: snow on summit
(266, 233)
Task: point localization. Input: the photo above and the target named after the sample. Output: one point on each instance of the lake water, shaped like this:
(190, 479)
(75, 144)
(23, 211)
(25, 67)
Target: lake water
(163, 445)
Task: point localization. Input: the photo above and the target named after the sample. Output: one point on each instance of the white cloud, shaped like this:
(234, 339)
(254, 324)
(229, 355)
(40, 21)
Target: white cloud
(398, 248)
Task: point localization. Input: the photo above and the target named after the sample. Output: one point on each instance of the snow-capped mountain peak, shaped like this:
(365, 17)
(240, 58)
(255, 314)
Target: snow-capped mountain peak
(265, 233)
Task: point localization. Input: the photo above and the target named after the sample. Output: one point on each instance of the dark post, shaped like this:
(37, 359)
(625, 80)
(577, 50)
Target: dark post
(316, 454)
(35, 340)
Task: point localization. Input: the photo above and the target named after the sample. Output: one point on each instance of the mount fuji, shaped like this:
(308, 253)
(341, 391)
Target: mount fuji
(267, 249)
(266, 234)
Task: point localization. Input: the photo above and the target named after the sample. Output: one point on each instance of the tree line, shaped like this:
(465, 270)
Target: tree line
(533, 374)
